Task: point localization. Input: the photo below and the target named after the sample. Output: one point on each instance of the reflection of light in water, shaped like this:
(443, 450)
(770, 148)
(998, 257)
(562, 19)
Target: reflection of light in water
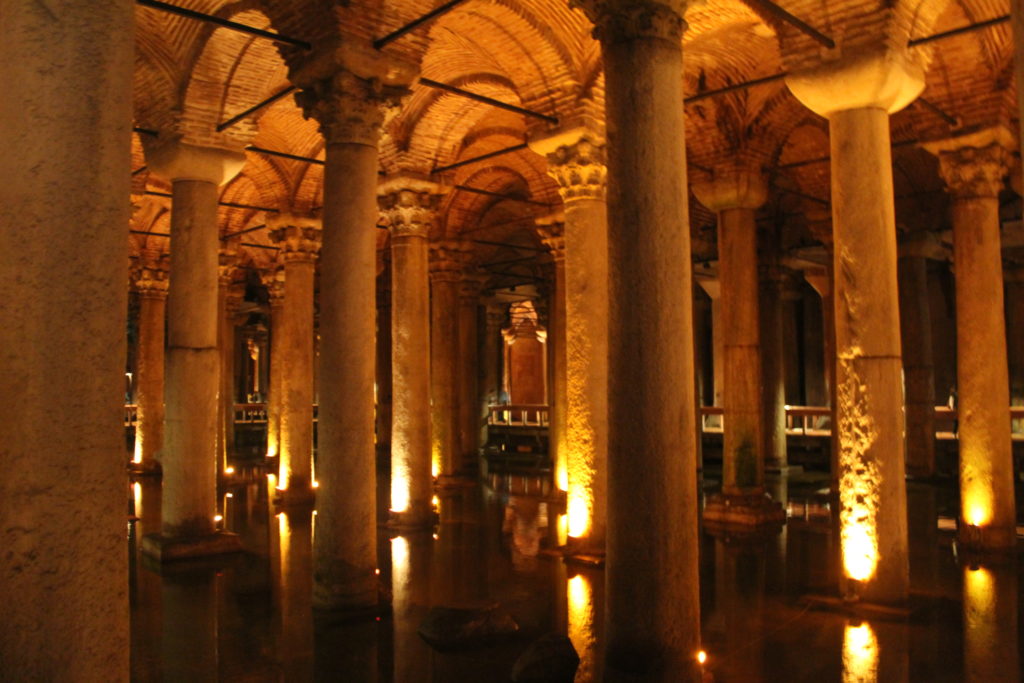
(399, 570)
(563, 529)
(860, 654)
(989, 636)
(137, 495)
(581, 624)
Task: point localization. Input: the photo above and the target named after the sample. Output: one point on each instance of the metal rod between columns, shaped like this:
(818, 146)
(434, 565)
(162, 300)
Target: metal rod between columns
(232, 25)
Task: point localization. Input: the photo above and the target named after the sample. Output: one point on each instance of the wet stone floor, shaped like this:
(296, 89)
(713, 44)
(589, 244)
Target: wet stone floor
(248, 617)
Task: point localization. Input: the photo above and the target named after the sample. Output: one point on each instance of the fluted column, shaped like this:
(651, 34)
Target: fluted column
(734, 195)
(918, 367)
(468, 393)
(856, 95)
(553, 234)
(274, 281)
(576, 160)
(973, 168)
(193, 360)
(65, 125)
(446, 259)
(350, 109)
(653, 615)
(298, 238)
(150, 281)
(410, 206)
(229, 299)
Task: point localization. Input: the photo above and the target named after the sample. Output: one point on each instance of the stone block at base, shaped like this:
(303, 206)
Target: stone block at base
(142, 469)
(742, 512)
(295, 498)
(163, 549)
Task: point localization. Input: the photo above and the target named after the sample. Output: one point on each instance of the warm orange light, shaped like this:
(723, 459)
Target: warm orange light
(579, 513)
(137, 495)
(436, 502)
(702, 657)
(218, 518)
(229, 470)
(316, 484)
(377, 572)
(229, 495)
(137, 454)
(860, 654)
(563, 529)
(399, 488)
(581, 623)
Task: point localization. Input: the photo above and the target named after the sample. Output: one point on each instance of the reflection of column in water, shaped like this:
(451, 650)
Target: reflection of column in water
(189, 650)
(585, 628)
(740, 579)
(410, 558)
(860, 654)
(923, 532)
(146, 594)
(990, 624)
(460, 568)
(295, 590)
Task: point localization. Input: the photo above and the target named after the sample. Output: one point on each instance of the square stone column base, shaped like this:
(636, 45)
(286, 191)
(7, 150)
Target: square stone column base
(163, 549)
(742, 513)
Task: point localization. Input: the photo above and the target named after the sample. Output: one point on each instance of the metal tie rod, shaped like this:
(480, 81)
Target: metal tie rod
(232, 25)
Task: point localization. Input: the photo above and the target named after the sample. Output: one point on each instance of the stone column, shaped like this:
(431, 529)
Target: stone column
(64, 214)
(918, 367)
(410, 206)
(973, 167)
(734, 196)
(298, 238)
(150, 281)
(653, 615)
(1018, 62)
(445, 266)
(553, 234)
(1013, 278)
(773, 374)
(274, 281)
(856, 95)
(576, 160)
(713, 289)
(468, 392)
(350, 109)
(193, 360)
(229, 300)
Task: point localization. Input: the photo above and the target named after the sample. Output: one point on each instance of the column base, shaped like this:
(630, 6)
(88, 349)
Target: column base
(987, 540)
(777, 470)
(742, 513)
(165, 549)
(859, 608)
(145, 469)
(411, 520)
(295, 497)
(578, 552)
(454, 481)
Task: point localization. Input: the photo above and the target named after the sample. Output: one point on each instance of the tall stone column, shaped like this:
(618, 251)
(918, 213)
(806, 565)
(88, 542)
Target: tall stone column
(229, 299)
(65, 126)
(468, 393)
(734, 196)
(350, 109)
(773, 397)
(274, 281)
(446, 260)
(410, 206)
(856, 95)
(553, 234)
(150, 281)
(193, 360)
(298, 238)
(1013, 278)
(1018, 62)
(918, 367)
(653, 615)
(973, 167)
(713, 288)
(576, 160)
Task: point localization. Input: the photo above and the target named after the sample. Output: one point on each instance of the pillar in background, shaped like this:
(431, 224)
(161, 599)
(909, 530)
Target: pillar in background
(349, 104)
(149, 280)
(1013, 286)
(973, 167)
(652, 616)
(274, 281)
(229, 300)
(553, 234)
(773, 398)
(410, 205)
(193, 360)
(298, 238)
(468, 393)
(63, 572)
(713, 288)
(856, 95)
(916, 337)
(576, 160)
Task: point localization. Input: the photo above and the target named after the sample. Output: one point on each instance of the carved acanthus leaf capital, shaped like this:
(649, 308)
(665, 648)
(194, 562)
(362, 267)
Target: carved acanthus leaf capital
(150, 277)
(227, 264)
(298, 237)
(579, 169)
(348, 108)
(273, 280)
(553, 236)
(409, 212)
(448, 258)
(619, 21)
(974, 172)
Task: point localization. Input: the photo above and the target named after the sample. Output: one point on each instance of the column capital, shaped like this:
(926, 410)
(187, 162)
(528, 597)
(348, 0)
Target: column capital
(273, 280)
(818, 279)
(711, 286)
(495, 314)
(298, 237)
(921, 244)
(349, 109)
(409, 203)
(576, 161)
(471, 284)
(819, 224)
(552, 234)
(974, 165)
(149, 277)
(448, 258)
(732, 188)
(619, 21)
(173, 159)
(878, 78)
(227, 263)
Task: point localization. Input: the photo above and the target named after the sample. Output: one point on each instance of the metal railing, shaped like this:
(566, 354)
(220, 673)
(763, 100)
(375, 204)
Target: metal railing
(518, 415)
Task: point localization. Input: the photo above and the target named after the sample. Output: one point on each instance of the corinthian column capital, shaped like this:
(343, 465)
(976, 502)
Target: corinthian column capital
(297, 236)
(732, 188)
(618, 21)
(974, 165)
(149, 277)
(349, 109)
(576, 161)
(409, 204)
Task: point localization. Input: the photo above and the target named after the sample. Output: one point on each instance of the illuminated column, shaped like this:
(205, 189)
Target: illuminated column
(150, 281)
(734, 196)
(468, 393)
(446, 260)
(991, 651)
(66, 118)
(857, 95)
(274, 281)
(653, 615)
(918, 368)
(713, 288)
(192, 387)
(773, 397)
(410, 206)
(350, 109)
(576, 160)
(553, 233)
(298, 238)
(973, 168)
(229, 299)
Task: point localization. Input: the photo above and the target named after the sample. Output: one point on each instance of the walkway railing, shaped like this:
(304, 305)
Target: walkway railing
(518, 415)
(245, 414)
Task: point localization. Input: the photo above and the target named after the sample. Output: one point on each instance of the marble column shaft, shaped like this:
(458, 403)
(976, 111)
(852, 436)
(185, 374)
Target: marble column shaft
(299, 240)
(554, 237)
(918, 367)
(468, 392)
(445, 266)
(772, 369)
(275, 286)
(228, 302)
(350, 111)
(65, 123)
(652, 582)
(151, 285)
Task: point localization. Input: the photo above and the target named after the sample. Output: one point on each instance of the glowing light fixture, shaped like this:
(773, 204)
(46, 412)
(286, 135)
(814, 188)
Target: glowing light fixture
(579, 514)
(702, 657)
